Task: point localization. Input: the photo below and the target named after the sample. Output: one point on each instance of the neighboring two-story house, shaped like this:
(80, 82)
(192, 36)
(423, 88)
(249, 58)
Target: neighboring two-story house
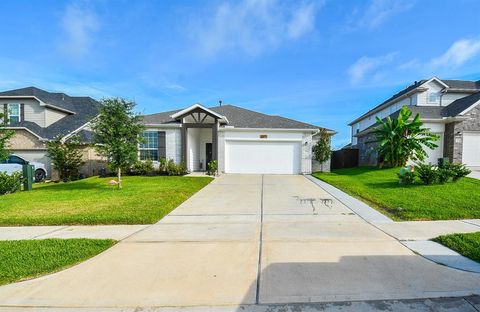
(38, 116)
(449, 108)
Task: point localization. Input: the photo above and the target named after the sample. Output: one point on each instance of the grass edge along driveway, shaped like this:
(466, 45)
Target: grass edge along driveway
(380, 189)
(26, 259)
(142, 200)
(467, 244)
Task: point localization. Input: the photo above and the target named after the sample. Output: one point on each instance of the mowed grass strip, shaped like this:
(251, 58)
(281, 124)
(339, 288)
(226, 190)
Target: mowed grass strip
(380, 189)
(24, 259)
(142, 200)
(467, 244)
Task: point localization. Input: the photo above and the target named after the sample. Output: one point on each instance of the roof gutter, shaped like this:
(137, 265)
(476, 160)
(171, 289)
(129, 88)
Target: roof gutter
(40, 101)
(28, 130)
(456, 90)
(270, 129)
(443, 120)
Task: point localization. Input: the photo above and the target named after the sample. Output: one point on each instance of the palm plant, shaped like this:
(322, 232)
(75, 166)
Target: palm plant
(401, 139)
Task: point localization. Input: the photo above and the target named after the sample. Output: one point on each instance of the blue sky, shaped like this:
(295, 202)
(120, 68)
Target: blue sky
(322, 62)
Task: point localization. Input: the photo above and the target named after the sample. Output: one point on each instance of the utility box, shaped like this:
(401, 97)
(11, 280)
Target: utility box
(28, 177)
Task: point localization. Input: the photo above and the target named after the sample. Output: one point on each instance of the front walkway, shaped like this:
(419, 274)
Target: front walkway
(248, 239)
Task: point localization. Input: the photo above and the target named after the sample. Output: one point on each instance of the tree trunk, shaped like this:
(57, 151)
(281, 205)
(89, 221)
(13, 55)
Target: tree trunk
(119, 174)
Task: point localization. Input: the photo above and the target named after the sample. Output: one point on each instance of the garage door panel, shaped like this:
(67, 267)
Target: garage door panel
(471, 149)
(262, 157)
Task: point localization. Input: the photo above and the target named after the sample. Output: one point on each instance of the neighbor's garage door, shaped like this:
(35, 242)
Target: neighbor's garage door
(471, 149)
(263, 157)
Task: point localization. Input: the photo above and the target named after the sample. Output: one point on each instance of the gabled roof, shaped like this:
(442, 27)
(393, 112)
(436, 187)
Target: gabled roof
(458, 107)
(237, 117)
(450, 86)
(201, 107)
(463, 84)
(82, 109)
(410, 89)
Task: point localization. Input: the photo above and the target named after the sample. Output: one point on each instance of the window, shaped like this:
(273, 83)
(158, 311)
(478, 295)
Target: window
(13, 113)
(16, 160)
(149, 149)
(432, 97)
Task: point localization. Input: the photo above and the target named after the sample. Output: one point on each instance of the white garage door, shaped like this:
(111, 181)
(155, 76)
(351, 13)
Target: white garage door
(262, 157)
(471, 149)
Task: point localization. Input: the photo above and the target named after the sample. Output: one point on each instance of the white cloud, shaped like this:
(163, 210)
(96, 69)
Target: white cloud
(79, 25)
(366, 67)
(252, 26)
(459, 53)
(303, 21)
(378, 12)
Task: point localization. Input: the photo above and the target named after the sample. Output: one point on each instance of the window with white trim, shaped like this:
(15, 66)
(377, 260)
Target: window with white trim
(432, 97)
(13, 112)
(149, 149)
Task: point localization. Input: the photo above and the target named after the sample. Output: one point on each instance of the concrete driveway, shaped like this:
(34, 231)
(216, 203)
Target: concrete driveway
(248, 239)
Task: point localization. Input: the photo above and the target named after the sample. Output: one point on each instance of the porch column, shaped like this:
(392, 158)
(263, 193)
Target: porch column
(184, 144)
(215, 140)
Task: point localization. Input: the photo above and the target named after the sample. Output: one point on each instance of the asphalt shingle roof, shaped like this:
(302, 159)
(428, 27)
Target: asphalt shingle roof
(453, 84)
(240, 118)
(463, 84)
(84, 109)
(426, 112)
(458, 106)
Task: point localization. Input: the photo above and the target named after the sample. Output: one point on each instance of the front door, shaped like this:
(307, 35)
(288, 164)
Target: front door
(208, 151)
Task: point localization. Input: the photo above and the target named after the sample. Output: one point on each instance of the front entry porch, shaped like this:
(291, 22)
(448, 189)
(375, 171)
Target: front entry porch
(199, 136)
(199, 148)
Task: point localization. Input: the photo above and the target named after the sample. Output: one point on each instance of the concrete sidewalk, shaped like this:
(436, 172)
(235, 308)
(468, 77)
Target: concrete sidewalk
(416, 235)
(116, 232)
(248, 241)
(455, 304)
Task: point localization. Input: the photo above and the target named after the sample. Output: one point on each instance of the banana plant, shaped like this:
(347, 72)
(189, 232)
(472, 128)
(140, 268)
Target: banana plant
(402, 139)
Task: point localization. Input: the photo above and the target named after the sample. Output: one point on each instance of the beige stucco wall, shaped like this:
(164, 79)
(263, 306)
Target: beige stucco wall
(52, 116)
(24, 140)
(92, 166)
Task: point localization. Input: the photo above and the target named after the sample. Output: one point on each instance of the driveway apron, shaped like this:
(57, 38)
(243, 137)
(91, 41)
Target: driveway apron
(248, 239)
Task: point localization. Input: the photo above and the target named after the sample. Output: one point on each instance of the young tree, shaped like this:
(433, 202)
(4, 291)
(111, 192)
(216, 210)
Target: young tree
(400, 139)
(322, 150)
(117, 133)
(5, 136)
(66, 157)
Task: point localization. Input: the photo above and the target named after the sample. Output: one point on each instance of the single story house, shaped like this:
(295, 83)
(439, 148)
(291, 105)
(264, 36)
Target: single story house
(449, 108)
(38, 116)
(241, 140)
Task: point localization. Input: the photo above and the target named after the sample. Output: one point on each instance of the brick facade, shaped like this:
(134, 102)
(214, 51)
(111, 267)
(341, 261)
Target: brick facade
(367, 155)
(454, 134)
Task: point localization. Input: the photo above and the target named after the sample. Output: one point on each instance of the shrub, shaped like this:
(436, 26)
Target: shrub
(174, 170)
(458, 171)
(444, 173)
(143, 167)
(406, 176)
(10, 183)
(162, 165)
(212, 167)
(427, 173)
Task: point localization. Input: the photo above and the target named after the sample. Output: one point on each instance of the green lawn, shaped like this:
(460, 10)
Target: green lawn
(380, 189)
(465, 244)
(142, 200)
(25, 259)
